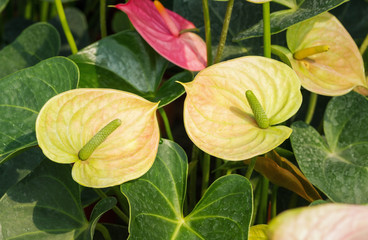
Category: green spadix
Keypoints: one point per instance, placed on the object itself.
(259, 113)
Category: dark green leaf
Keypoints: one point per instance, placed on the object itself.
(171, 90)
(44, 205)
(122, 61)
(157, 198)
(101, 207)
(3, 4)
(24, 93)
(34, 44)
(338, 167)
(115, 231)
(17, 168)
(281, 20)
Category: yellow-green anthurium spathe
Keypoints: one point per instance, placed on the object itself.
(218, 117)
(121, 129)
(325, 56)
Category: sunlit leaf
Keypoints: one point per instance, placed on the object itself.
(69, 120)
(337, 165)
(335, 72)
(327, 221)
(224, 212)
(23, 94)
(283, 173)
(217, 115)
(163, 30)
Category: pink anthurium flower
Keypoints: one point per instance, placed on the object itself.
(167, 32)
(111, 136)
(325, 57)
(219, 118)
(321, 222)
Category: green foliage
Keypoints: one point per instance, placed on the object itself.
(224, 212)
(23, 95)
(337, 166)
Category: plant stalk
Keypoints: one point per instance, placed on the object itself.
(364, 45)
(262, 216)
(64, 24)
(44, 11)
(225, 28)
(250, 168)
(311, 107)
(205, 172)
(207, 27)
(103, 230)
(274, 201)
(166, 123)
(103, 18)
(266, 29)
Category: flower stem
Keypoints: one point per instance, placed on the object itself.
(64, 24)
(207, 27)
(192, 196)
(103, 18)
(28, 10)
(115, 208)
(263, 201)
(250, 168)
(266, 29)
(274, 201)
(166, 123)
(103, 230)
(225, 28)
(205, 172)
(311, 107)
(44, 11)
(364, 45)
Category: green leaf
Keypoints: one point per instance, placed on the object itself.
(3, 4)
(338, 167)
(17, 168)
(283, 19)
(115, 231)
(171, 90)
(44, 205)
(34, 44)
(122, 61)
(156, 202)
(24, 93)
(101, 207)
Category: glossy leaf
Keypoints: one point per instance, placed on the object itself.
(337, 167)
(283, 173)
(44, 205)
(327, 222)
(36, 43)
(258, 232)
(171, 89)
(281, 20)
(335, 72)
(69, 120)
(163, 30)
(17, 168)
(224, 212)
(24, 93)
(100, 208)
(217, 115)
(121, 61)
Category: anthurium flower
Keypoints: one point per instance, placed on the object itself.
(167, 32)
(125, 129)
(324, 56)
(218, 117)
(321, 222)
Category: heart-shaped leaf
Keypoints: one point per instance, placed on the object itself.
(339, 167)
(224, 212)
(167, 32)
(335, 72)
(122, 61)
(68, 121)
(44, 205)
(326, 221)
(283, 19)
(100, 208)
(24, 93)
(283, 173)
(37, 42)
(218, 117)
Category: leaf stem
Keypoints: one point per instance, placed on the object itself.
(207, 27)
(64, 24)
(250, 168)
(118, 212)
(225, 28)
(192, 196)
(311, 107)
(266, 29)
(257, 199)
(364, 45)
(28, 10)
(44, 11)
(103, 18)
(274, 201)
(205, 172)
(103, 230)
(166, 123)
(263, 201)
